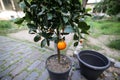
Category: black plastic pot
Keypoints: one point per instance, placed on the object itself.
(92, 64)
(59, 76)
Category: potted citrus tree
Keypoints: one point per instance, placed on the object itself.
(52, 20)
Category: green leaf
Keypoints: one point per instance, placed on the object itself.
(83, 25)
(30, 1)
(22, 5)
(67, 14)
(19, 20)
(26, 3)
(49, 15)
(64, 33)
(80, 1)
(84, 31)
(60, 2)
(65, 19)
(53, 38)
(46, 35)
(88, 27)
(75, 37)
(75, 44)
(28, 16)
(68, 29)
(37, 38)
(88, 9)
(32, 31)
(33, 6)
(87, 14)
(31, 26)
(41, 12)
(43, 43)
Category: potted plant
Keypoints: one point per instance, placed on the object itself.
(52, 20)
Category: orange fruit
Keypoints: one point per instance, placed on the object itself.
(61, 45)
(81, 40)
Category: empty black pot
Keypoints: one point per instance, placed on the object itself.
(59, 76)
(92, 64)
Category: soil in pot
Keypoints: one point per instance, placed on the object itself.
(56, 70)
(53, 65)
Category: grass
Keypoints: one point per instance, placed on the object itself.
(114, 44)
(104, 27)
(9, 27)
(5, 27)
(110, 28)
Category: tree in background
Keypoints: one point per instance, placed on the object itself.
(111, 7)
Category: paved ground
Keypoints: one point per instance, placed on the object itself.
(21, 60)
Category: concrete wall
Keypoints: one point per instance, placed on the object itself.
(9, 5)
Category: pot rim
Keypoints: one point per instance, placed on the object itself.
(91, 66)
(58, 72)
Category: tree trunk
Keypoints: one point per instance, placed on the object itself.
(2, 5)
(84, 3)
(58, 51)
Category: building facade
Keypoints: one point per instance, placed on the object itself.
(9, 5)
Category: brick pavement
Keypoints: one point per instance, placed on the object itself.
(21, 60)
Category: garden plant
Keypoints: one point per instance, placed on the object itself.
(51, 20)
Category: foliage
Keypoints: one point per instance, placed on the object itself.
(114, 44)
(101, 6)
(51, 17)
(112, 7)
(5, 25)
(106, 27)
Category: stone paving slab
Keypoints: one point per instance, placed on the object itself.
(7, 78)
(32, 76)
(21, 60)
(44, 76)
(21, 76)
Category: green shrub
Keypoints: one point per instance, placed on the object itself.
(9, 27)
(104, 27)
(5, 25)
(111, 7)
(110, 28)
(114, 44)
